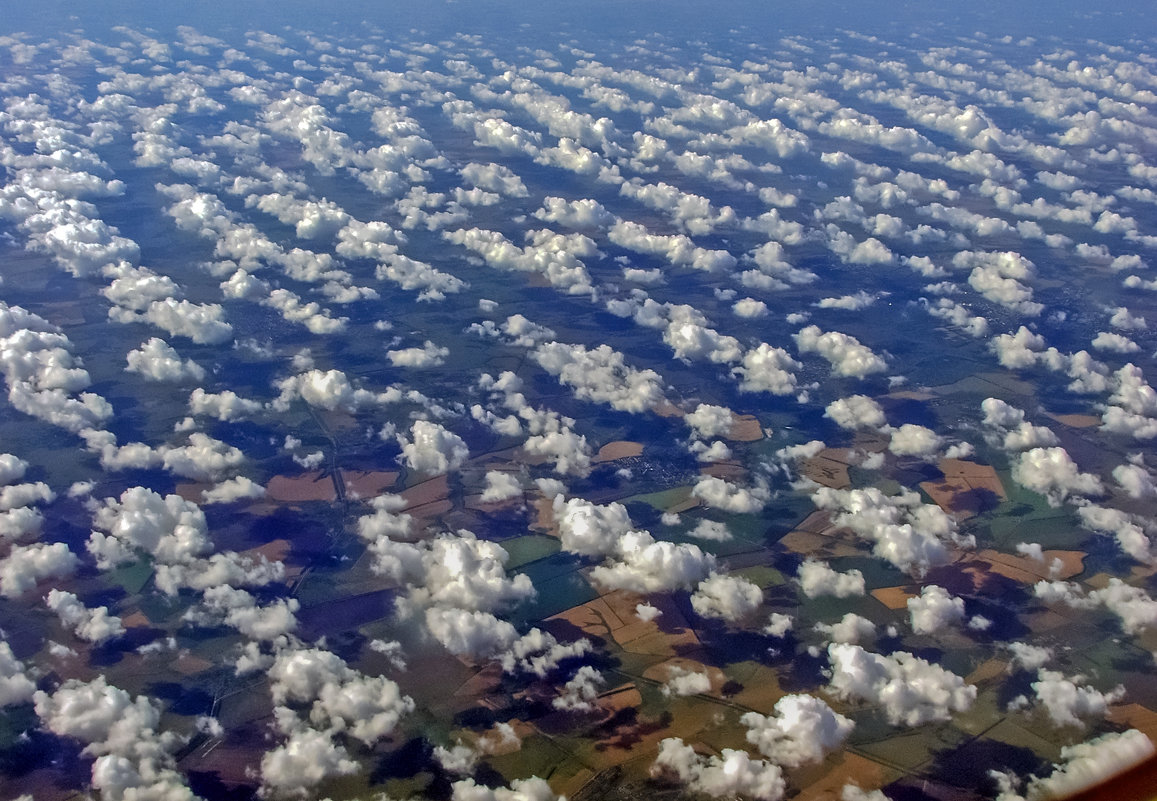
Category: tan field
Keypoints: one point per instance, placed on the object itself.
(745, 428)
(314, 485)
(613, 451)
(829, 467)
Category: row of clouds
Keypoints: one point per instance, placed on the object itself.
(909, 535)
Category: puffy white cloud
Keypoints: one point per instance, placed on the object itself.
(1018, 433)
(1089, 375)
(910, 690)
(387, 522)
(1124, 320)
(202, 458)
(1028, 656)
(105, 717)
(495, 178)
(767, 369)
(1114, 343)
(853, 792)
(817, 578)
(1087, 764)
(911, 439)
(233, 489)
(643, 564)
(456, 570)
(906, 532)
(805, 450)
(851, 628)
(553, 438)
(17, 496)
(223, 568)
(449, 570)
(201, 322)
(500, 486)
(1021, 349)
(240, 610)
(316, 319)
(682, 682)
(773, 270)
(432, 448)
(134, 288)
(376, 240)
(729, 598)
(21, 522)
(958, 315)
(169, 528)
(1060, 591)
(155, 360)
(1129, 531)
(557, 257)
(44, 379)
(845, 353)
(12, 468)
(934, 610)
(532, 789)
(778, 625)
(1053, 473)
(678, 249)
(15, 685)
(26, 565)
(1136, 609)
(871, 251)
(121, 457)
(226, 405)
(243, 286)
(749, 308)
(1125, 420)
(368, 708)
(429, 355)
(647, 613)
(727, 775)
(689, 337)
(692, 213)
(1135, 480)
(459, 759)
(304, 760)
(772, 135)
(569, 155)
(999, 277)
(1132, 392)
(324, 389)
(803, 730)
(481, 635)
(83, 246)
(133, 758)
(711, 531)
(1068, 700)
(311, 218)
(848, 124)
(856, 411)
(720, 494)
(601, 375)
(580, 692)
(95, 625)
(708, 421)
(1122, 421)
(999, 414)
(577, 214)
(523, 332)
(539, 653)
(588, 528)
